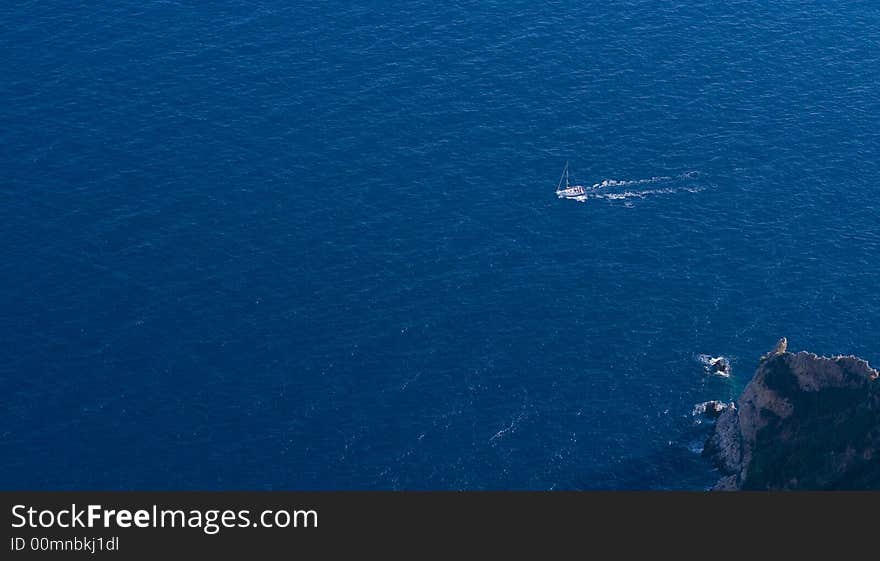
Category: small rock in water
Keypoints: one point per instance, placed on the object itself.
(715, 365)
(720, 365)
(711, 408)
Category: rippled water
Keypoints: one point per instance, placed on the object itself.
(263, 245)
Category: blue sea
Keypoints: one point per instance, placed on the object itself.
(316, 245)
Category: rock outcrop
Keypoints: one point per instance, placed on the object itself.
(715, 365)
(711, 409)
(720, 366)
(803, 422)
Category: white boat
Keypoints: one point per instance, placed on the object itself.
(576, 192)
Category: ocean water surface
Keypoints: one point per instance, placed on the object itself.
(316, 245)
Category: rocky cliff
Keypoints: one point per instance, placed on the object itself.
(803, 422)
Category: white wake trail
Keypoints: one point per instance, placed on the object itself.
(640, 194)
(631, 182)
(622, 189)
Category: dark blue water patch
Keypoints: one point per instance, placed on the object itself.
(299, 247)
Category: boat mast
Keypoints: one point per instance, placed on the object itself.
(564, 177)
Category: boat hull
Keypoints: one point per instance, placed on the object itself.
(571, 192)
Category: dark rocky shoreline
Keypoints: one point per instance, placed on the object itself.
(803, 422)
